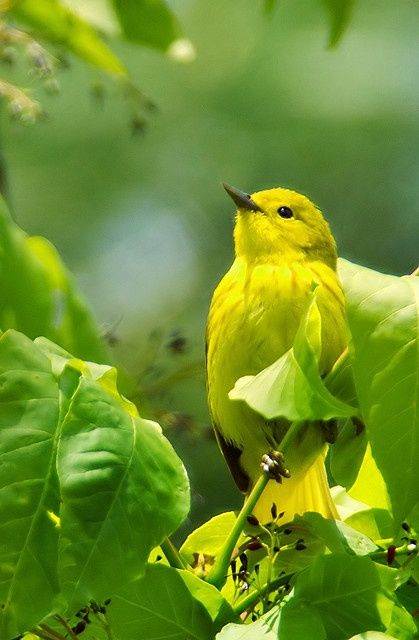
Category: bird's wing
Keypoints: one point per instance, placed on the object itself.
(232, 455)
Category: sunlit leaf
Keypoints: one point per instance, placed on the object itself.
(345, 504)
(383, 314)
(209, 538)
(369, 486)
(73, 448)
(377, 524)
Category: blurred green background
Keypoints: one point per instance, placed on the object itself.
(142, 221)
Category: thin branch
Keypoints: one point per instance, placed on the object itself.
(46, 633)
(218, 574)
(255, 596)
(66, 626)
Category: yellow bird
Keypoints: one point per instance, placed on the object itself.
(283, 245)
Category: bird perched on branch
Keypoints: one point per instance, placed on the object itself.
(283, 245)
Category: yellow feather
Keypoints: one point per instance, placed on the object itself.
(253, 318)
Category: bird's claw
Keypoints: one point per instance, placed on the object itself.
(273, 465)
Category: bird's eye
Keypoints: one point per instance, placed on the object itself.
(285, 212)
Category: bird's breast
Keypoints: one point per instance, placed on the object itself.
(254, 315)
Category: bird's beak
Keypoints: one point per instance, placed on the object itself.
(241, 199)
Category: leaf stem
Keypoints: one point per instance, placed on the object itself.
(172, 554)
(254, 597)
(218, 574)
(66, 626)
(268, 587)
(46, 633)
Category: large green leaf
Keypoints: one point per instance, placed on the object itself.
(348, 594)
(292, 386)
(57, 23)
(28, 484)
(297, 621)
(167, 603)
(122, 487)
(38, 296)
(383, 315)
(335, 598)
(147, 22)
(64, 427)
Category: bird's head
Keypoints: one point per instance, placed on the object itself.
(280, 224)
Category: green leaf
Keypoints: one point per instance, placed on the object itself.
(290, 560)
(147, 22)
(39, 296)
(299, 622)
(340, 12)
(28, 484)
(123, 489)
(369, 486)
(292, 386)
(72, 446)
(347, 592)
(408, 596)
(340, 380)
(377, 524)
(266, 628)
(209, 538)
(338, 536)
(347, 453)
(167, 603)
(295, 621)
(345, 504)
(383, 315)
(214, 602)
(58, 24)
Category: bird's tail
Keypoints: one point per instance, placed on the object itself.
(308, 492)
